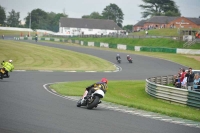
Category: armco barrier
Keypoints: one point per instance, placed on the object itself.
(97, 44)
(122, 46)
(172, 94)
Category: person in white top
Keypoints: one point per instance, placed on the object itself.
(184, 83)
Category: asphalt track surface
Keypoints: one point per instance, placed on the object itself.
(26, 107)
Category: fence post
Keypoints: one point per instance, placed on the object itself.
(156, 80)
(161, 80)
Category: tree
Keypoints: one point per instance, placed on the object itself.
(113, 12)
(54, 21)
(44, 20)
(2, 15)
(159, 8)
(128, 28)
(13, 18)
(38, 19)
(93, 15)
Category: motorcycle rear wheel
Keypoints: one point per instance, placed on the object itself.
(79, 103)
(94, 103)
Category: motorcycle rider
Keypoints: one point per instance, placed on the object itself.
(8, 67)
(118, 57)
(96, 86)
(36, 37)
(128, 57)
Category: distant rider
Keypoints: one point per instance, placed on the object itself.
(8, 66)
(118, 57)
(36, 37)
(128, 57)
(96, 86)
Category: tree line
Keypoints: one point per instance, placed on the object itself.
(39, 19)
(50, 20)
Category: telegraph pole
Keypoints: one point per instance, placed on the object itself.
(30, 21)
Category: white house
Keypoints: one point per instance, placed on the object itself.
(81, 26)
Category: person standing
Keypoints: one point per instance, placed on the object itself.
(190, 78)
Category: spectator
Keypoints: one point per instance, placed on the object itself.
(182, 74)
(177, 77)
(184, 82)
(2, 36)
(196, 81)
(190, 78)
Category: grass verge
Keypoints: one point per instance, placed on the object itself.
(132, 94)
(35, 57)
(158, 32)
(15, 33)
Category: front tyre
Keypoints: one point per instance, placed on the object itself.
(94, 102)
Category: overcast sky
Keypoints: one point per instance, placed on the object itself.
(78, 8)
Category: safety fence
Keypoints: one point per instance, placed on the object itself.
(156, 87)
(117, 46)
(116, 36)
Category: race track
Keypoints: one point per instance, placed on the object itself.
(26, 107)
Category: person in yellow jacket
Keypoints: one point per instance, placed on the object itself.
(8, 67)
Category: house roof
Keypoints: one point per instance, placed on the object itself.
(195, 20)
(89, 23)
(161, 19)
(140, 23)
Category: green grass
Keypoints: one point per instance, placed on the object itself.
(132, 94)
(152, 42)
(162, 32)
(35, 57)
(158, 32)
(15, 33)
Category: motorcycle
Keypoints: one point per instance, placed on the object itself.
(130, 60)
(2, 72)
(36, 39)
(119, 60)
(92, 100)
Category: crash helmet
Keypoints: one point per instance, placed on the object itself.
(10, 61)
(117, 54)
(104, 80)
(127, 55)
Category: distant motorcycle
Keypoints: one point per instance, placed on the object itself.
(119, 60)
(130, 60)
(92, 100)
(36, 39)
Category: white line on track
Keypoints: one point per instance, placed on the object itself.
(45, 70)
(71, 71)
(19, 70)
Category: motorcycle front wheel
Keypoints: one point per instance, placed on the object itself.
(93, 103)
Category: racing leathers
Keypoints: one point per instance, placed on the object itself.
(8, 67)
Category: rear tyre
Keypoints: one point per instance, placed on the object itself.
(79, 103)
(94, 103)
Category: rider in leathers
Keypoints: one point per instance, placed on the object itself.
(92, 88)
(118, 57)
(8, 67)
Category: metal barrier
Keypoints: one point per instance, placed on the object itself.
(172, 94)
(113, 36)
